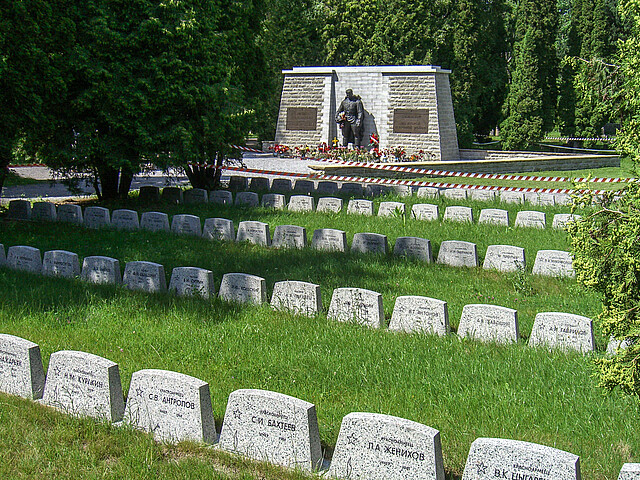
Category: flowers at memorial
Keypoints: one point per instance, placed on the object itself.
(375, 154)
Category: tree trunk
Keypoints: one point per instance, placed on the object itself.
(5, 160)
(203, 176)
(109, 182)
(126, 177)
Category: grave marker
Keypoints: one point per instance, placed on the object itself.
(455, 193)
(562, 220)
(456, 253)
(428, 192)
(564, 331)
(424, 211)
(192, 281)
(482, 195)
(43, 212)
(259, 184)
(101, 270)
(304, 186)
(391, 209)
(352, 189)
(196, 195)
(243, 288)
(504, 258)
(420, 314)
(413, 247)
(301, 203)
(219, 229)
(553, 263)
(369, 243)
(21, 371)
(96, 217)
(512, 197)
(149, 194)
(272, 427)
(457, 213)
(374, 190)
(19, 210)
(172, 195)
(402, 190)
(547, 199)
(247, 199)
(83, 384)
(494, 216)
(329, 239)
(289, 236)
(532, 197)
(357, 305)
(3, 257)
(220, 197)
(68, 213)
(360, 207)
(329, 205)
(327, 188)
(254, 232)
(124, 219)
(27, 259)
(155, 222)
(563, 199)
(172, 406)
(281, 185)
(274, 200)
(145, 276)
(237, 182)
(60, 263)
(301, 298)
(374, 445)
(533, 219)
(629, 471)
(186, 225)
(489, 323)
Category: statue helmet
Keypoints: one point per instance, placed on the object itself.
(349, 92)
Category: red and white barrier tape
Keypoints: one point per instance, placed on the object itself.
(246, 149)
(572, 139)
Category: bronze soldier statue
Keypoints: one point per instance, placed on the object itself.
(350, 116)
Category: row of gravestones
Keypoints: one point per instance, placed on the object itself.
(265, 425)
(410, 313)
(452, 252)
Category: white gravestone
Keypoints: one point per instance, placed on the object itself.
(192, 281)
(254, 232)
(511, 197)
(563, 199)
(247, 199)
(19, 210)
(327, 188)
(69, 214)
(21, 371)
(615, 345)
(548, 199)
(84, 384)
(491, 458)
(96, 217)
(554, 263)
(456, 253)
(101, 270)
(562, 220)
(298, 297)
(3, 257)
(173, 406)
(413, 247)
(424, 211)
(505, 258)
(259, 184)
(630, 471)
(124, 219)
(353, 189)
(300, 203)
(329, 239)
(276, 201)
(428, 192)
(360, 207)
(374, 445)
(304, 186)
(456, 213)
(533, 219)
(27, 259)
(489, 323)
(455, 193)
(420, 314)
(494, 216)
(60, 263)
(482, 195)
(402, 190)
(532, 197)
(564, 331)
(357, 305)
(155, 222)
(243, 288)
(221, 197)
(43, 212)
(186, 225)
(196, 195)
(369, 243)
(145, 276)
(329, 205)
(391, 209)
(272, 427)
(219, 229)
(289, 236)
(281, 185)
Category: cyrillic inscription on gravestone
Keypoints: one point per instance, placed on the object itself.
(70, 214)
(96, 217)
(274, 200)
(428, 192)
(457, 253)
(186, 225)
(21, 371)
(254, 232)
(554, 263)
(547, 199)
(411, 120)
(219, 229)
(43, 212)
(564, 331)
(247, 199)
(83, 384)
(512, 197)
(196, 195)
(124, 219)
(357, 305)
(272, 427)
(494, 216)
(221, 197)
(482, 195)
(455, 193)
(420, 314)
(360, 207)
(298, 297)
(456, 213)
(172, 406)
(243, 288)
(155, 222)
(630, 471)
(489, 323)
(101, 270)
(145, 276)
(413, 247)
(301, 203)
(302, 118)
(424, 211)
(561, 220)
(373, 445)
(281, 185)
(350, 188)
(491, 458)
(329, 239)
(327, 187)
(329, 204)
(27, 259)
(402, 190)
(391, 209)
(304, 186)
(192, 281)
(19, 210)
(3, 257)
(289, 236)
(369, 243)
(60, 263)
(172, 195)
(504, 258)
(526, 218)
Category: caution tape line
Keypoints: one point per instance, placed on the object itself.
(572, 139)
(246, 149)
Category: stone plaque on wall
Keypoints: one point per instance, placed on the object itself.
(302, 118)
(410, 120)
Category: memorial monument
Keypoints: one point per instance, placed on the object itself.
(405, 106)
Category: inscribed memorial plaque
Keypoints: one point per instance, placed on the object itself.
(27, 259)
(247, 199)
(456, 213)
(254, 232)
(43, 212)
(186, 225)
(155, 222)
(360, 207)
(124, 219)
(369, 243)
(411, 120)
(329, 205)
(505, 258)
(424, 211)
(457, 253)
(391, 209)
(494, 216)
(96, 217)
(276, 201)
(301, 203)
(554, 263)
(289, 236)
(221, 197)
(302, 118)
(413, 247)
(70, 214)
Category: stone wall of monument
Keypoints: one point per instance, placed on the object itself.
(446, 121)
(304, 91)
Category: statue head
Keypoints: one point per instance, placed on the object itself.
(349, 93)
